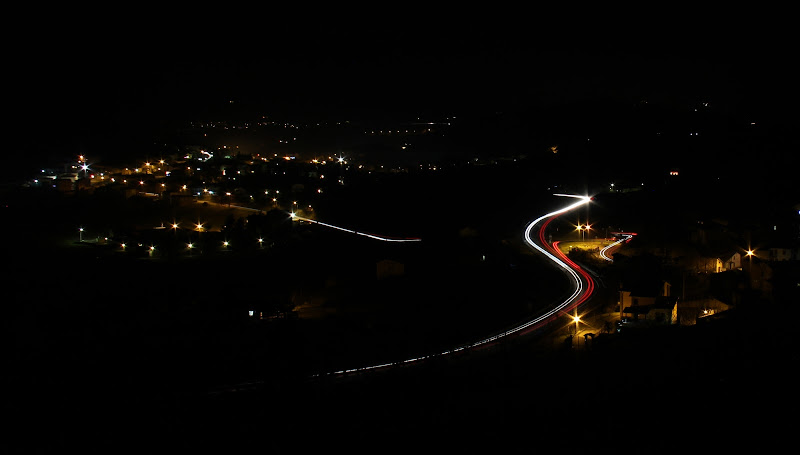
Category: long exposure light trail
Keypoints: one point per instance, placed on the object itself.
(351, 231)
(577, 275)
(603, 252)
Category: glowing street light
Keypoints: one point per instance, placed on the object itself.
(577, 320)
(583, 229)
(750, 253)
(80, 234)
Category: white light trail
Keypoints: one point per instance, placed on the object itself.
(603, 251)
(559, 262)
(579, 288)
(351, 231)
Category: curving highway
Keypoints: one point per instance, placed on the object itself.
(581, 283)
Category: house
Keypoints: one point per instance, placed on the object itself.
(700, 263)
(710, 264)
(734, 262)
(663, 311)
(649, 304)
(660, 310)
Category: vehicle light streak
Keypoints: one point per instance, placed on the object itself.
(625, 238)
(578, 296)
(372, 236)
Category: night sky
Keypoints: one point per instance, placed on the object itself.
(85, 81)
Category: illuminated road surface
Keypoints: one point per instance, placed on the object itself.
(581, 282)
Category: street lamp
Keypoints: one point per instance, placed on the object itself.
(341, 172)
(80, 234)
(577, 320)
(750, 254)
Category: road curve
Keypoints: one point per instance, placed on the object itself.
(625, 237)
(581, 282)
